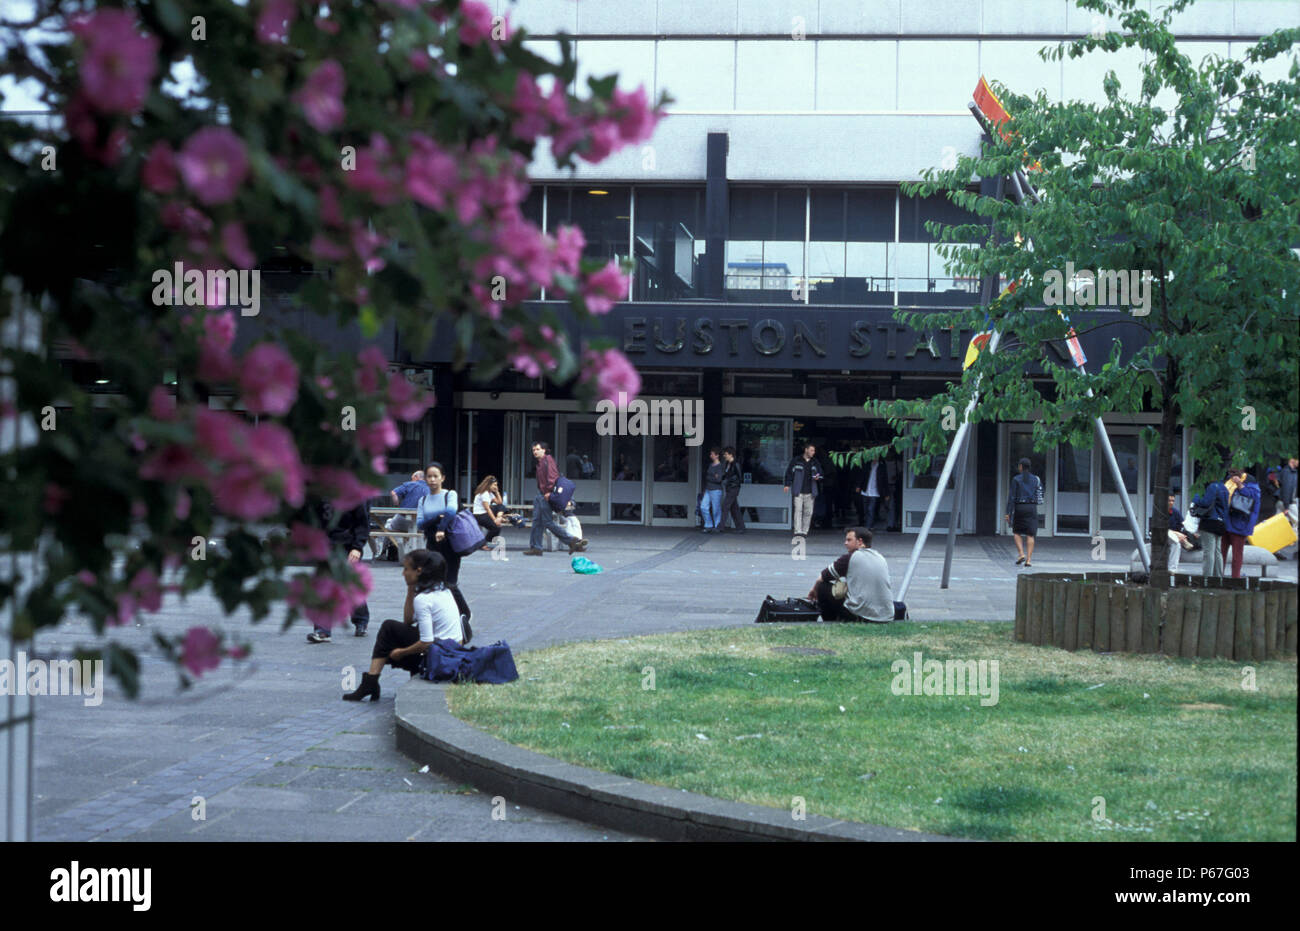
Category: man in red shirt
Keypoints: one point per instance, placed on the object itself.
(543, 520)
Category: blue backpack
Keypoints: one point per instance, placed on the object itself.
(561, 494)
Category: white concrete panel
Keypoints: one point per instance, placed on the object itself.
(1204, 18)
(810, 148)
(771, 17)
(633, 60)
(1082, 77)
(857, 74)
(1260, 17)
(936, 74)
(1017, 65)
(1016, 17)
(860, 17)
(543, 17)
(700, 74)
(697, 17)
(1081, 22)
(774, 74)
(616, 17)
(941, 17)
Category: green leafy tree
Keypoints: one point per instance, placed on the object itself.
(1191, 180)
(382, 146)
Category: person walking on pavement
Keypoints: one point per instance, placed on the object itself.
(1022, 511)
(711, 491)
(1243, 514)
(543, 519)
(349, 533)
(731, 482)
(803, 478)
(873, 493)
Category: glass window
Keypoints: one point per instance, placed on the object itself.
(625, 488)
(1112, 511)
(602, 212)
(765, 252)
(670, 384)
(531, 208)
(937, 75)
(923, 273)
(763, 450)
(669, 243)
(699, 74)
(851, 239)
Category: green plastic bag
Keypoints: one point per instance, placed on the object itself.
(585, 566)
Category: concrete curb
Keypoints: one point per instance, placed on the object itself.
(429, 733)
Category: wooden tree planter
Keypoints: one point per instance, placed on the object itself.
(1237, 619)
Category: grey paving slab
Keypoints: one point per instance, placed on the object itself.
(276, 754)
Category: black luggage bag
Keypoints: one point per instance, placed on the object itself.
(787, 611)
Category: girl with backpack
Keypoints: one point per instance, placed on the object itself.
(437, 509)
(430, 614)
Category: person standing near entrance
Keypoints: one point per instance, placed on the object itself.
(873, 493)
(803, 478)
(711, 492)
(731, 482)
(1022, 511)
(543, 520)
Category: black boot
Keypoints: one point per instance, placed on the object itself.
(369, 687)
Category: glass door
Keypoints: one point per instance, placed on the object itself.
(763, 449)
(626, 486)
(1021, 446)
(673, 493)
(919, 489)
(582, 462)
(1112, 521)
(1072, 511)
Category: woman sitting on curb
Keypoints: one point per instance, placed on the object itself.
(430, 614)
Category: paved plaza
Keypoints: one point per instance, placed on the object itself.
(275, 755)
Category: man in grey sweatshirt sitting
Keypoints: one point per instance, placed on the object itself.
(868, 594)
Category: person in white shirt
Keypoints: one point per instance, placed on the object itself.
(430, 614)
(868, 595)
(490, 509)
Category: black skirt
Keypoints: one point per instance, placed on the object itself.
(1024, 519)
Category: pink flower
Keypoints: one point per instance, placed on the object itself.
(219, 329)
(235, 242)
(326, 385)
(612, 373)
(636, 122)
(327, 25)
(419, 60)
(373, 172)
(172, 463)
(476, 25)
(146, 590)
(264, 470)
(371, 365)
(321, 245)
(126, 610)
(87, 578)
(405, 401)
(215, 362)
(430, 173)
(569, 243)
(200, 651)
(97, 141)
(274, 20)
(377, 438)
(182, 510)
(220, 434)
(213, 163)
(328, 207)
(528, 104)
(162, 404)
(340, 487)
(237, 652)
(119, 62)
(268, 380)
(365, 243)
(309, 542)
(321, 98)
(159, 171)
(183, 218)
(604, 287)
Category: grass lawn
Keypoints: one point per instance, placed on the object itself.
(1178, 749)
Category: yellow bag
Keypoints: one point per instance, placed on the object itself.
(1273, 534)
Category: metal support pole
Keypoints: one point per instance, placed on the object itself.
(958, 499)
(948, 465)
(1104, 439)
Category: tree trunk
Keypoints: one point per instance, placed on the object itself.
(1160, 485)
